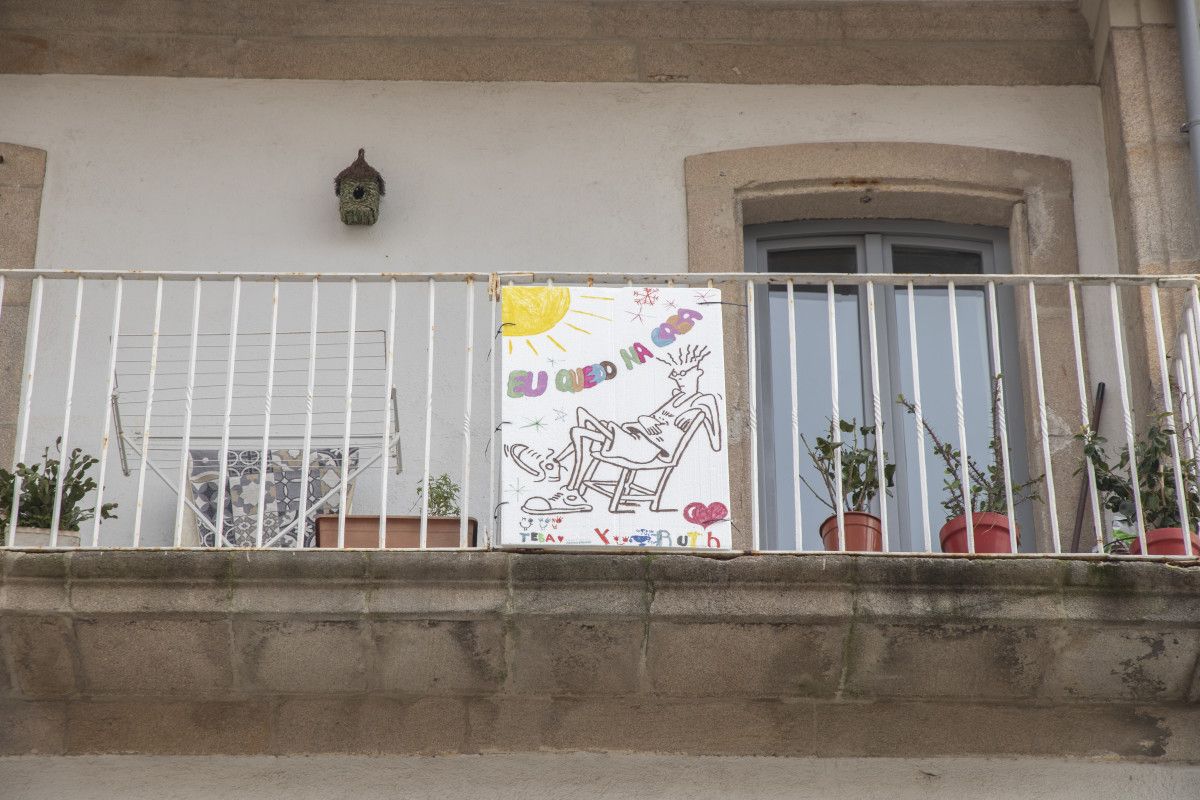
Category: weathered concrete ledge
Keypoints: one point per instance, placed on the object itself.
(241, 652)
(897, 42)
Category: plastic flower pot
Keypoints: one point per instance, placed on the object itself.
(1165, 542)
(864, 532)
(991, 533)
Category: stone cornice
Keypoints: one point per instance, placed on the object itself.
(902, 43)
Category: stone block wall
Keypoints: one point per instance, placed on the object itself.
(236, 652)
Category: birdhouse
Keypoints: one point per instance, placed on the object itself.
(359, 187)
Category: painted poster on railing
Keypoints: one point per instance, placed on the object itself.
(613, 426)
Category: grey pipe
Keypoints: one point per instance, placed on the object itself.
(1189, 57)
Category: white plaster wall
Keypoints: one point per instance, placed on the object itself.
(184, 173)
(160, 173)
(590, 775)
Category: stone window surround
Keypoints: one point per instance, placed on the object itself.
(22, 173)
(1031, 195)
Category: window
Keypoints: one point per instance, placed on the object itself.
(879, 247)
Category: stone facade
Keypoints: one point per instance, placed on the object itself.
(358, 652)
(1150, 179)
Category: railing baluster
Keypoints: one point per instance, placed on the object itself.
(1127, 413)
(960, 417)
(264, 452)
(150, 378)
(1191, 371)
(1085, 418)
(877, 411)
(306, 448)
(389, 357)
(344, 484)
(1001, 413)
(181, 489)
(831, 321)
(26, 403)
(792, 372)
(230, 379)
(1184, 381)
(1187, 383)
(64, 450)
(106, 436)
(918, 418)
(1043, 426)
(1188, 406)
(493, 435)
(468, 388)
(423, 541)
(752, 388)
(1169, 408)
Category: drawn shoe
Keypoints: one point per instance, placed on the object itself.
(564, 501)
(540, 465)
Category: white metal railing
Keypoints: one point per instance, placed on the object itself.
(141, 366)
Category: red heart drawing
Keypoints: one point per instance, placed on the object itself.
(705, 515)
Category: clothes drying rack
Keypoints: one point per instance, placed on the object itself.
(229, 407)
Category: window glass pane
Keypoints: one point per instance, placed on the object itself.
(937, 393)
(813, 384)
(914, 260)
(813, 259)
(814, 409)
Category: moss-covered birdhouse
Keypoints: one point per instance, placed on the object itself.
(359, 187)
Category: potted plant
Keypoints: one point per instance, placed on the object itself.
(860, 485)
(992, 530)
(1156, 485)
(443, 522)
(36, 509)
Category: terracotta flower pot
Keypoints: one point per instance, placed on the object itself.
(991, 533)
(864, 532)
(401, 531)
(1165, 542)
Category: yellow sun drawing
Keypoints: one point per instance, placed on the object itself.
(530, 311)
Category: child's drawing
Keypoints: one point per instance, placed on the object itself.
(607, 453)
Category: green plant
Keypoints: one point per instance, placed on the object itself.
(443, 496)
(987, 483)
(38, 484)
(860, 466)
(1156, 478)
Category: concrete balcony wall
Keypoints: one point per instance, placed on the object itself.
(233, 652)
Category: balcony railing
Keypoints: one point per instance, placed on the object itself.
(981, 388)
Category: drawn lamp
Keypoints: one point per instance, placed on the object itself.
(359, 187)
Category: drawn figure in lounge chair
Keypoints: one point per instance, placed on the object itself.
(653, 441)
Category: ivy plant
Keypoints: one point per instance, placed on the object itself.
(38, 484)
(859, 466)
